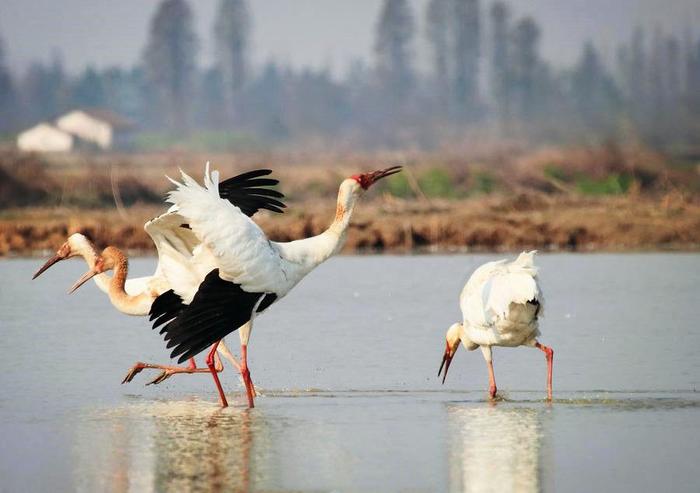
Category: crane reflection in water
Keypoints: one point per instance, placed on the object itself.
(177, 446)
(496, 448)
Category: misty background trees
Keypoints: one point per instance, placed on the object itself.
(486, 79)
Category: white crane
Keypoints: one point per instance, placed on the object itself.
(173, 239)
(500, 303)
(237, 272)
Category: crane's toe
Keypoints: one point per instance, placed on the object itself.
(164, 375)
(133, 371)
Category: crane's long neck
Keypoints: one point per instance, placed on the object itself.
(310, 252)
(125, 303)
(341, 222)
(333, 239)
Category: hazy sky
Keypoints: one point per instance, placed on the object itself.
(316, 32)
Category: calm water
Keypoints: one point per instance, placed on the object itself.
(347, 367)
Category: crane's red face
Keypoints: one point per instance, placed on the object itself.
(61, 254)
(450, 351)
(366, 180)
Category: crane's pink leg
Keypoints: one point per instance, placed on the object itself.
(492, 380)
(211, 358)
(549, 354)
(168, 370)
(227, 354)
(245, 374)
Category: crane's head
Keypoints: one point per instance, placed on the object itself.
(107, 260)
(366, 180)
(76, 244)
(452, 340)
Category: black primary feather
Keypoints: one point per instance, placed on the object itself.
(165, 307)
(219, 307)
(246, 191)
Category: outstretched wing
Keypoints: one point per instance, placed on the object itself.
(241, 251)
(173, 239)
(219, 307)
(165, 307)
(245, 273)
(248, 192)
(176, 243)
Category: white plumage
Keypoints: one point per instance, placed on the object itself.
(231, 241)
(236, 272)
(501, 305)
(179, 253)
(495, 306)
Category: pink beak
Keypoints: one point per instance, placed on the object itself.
(447, 359)
(56, 258)
(85, 278)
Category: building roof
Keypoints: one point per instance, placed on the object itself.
(44, 127)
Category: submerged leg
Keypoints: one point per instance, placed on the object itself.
(486, 350)
(245, 374)
(224, 350)
(212, 357)
(549, 354)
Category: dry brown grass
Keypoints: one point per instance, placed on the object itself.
(484, 224)
(529, 209)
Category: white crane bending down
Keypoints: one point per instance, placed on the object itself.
(237, 272)
(172, 238)
(500, 303)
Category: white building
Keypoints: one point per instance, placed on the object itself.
(44, 137)
(100, 127)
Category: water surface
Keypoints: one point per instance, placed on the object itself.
(346, 365)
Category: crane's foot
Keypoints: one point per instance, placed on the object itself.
(167, 371)
(492, 392)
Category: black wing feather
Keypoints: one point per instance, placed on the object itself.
(246, 191)
(219, 307)
(165, 307)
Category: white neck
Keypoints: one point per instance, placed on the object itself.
(310, 252)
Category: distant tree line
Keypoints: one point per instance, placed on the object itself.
(487, 77)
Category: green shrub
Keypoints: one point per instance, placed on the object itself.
(436, 182)
(484, 182)
(553, 171)
(614, 184)
(397, 185)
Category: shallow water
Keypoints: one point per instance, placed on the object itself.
(350, 398)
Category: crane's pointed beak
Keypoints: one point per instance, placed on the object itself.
(366, 180)
(85, 278)
(56, 258)
(447, 359)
